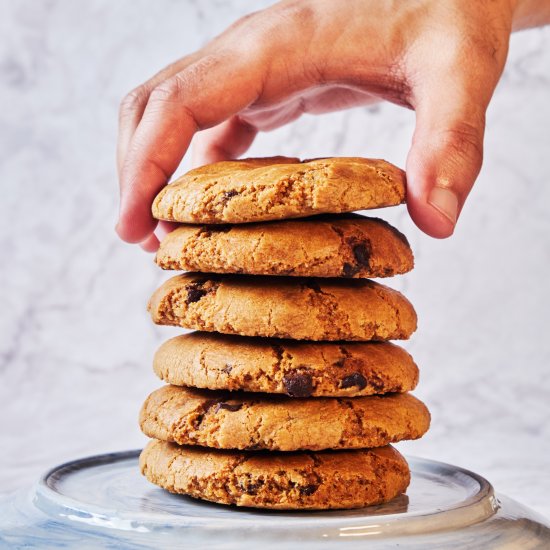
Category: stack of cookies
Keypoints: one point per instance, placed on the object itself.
(289, 394)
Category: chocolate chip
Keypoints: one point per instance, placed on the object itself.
(308, 490)
(194, 294)
(298, 385)
(220, 228)
(349, 270)
(228, 195)
(198, 421)
(205, 408)
(278, 351)
(200, 417)
(231, 407)
(355, 379)
(344, 351)
(376, 383)
(362, 252)
(340, 362)
(251, 488)
(227, 369)
(195, 291)
(207, 230)
(313, 285)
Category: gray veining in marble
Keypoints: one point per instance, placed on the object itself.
(75, 341)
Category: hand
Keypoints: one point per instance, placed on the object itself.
(442, 58)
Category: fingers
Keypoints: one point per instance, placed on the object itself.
(233, 138)
(163, 228)
(227, 140)
(133, 105)
(253, 59)
(447, 151)
(131, 111)
(442, 166)
(202, 95)
(150, 244)
(452, 77)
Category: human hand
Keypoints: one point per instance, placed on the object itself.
(442, 58)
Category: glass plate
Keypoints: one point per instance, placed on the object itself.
(104, 502)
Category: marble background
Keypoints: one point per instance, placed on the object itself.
(75, 341)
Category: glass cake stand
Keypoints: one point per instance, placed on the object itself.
(104, 502)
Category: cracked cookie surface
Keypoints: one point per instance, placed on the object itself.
(274, 188)
(324, 246)
(303, 481)
(284, 307)
(298, 369)
(226, 420)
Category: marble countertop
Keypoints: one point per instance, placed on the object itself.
(75, 341)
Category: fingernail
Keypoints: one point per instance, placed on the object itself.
(444, 201)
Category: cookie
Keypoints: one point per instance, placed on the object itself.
(327, 246)
(226, 420)
(285, 481)
(284, 307)
(262, 189)
(298, 369)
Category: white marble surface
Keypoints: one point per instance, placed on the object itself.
(75, 341)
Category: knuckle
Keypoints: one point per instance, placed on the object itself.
(293, 12)
(483, 52)
(465, 140)
(248, 20)
(179, 87)
(273, 27)
(296, 11)
(170, 96)
(244, 33)
(133, 100)
(167, 92)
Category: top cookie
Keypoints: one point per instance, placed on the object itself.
(275, 188)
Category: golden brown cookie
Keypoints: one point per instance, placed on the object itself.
(299, 369)
(225, 420)
(284, 307)
(325, 246)
(275, 188)
(292, 481)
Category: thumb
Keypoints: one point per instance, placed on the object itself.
(445, 158)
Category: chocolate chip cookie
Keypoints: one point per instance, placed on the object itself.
(284, 307)
(274, 188)
(226, 420)
(326, 246)
(298, 369)
(285, 481)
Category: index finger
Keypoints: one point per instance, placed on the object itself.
(133, 105)
(209, 91)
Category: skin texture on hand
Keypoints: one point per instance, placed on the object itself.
(442, 58)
